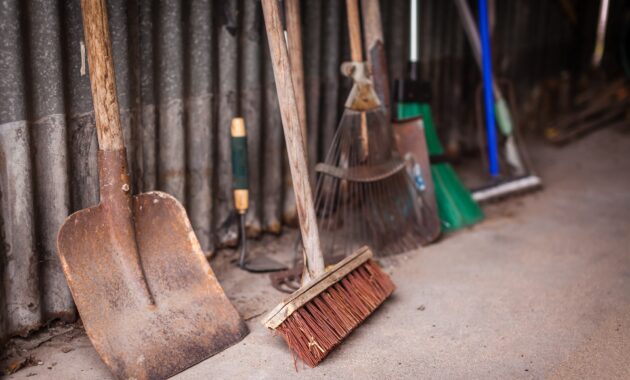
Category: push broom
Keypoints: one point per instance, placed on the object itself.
(496, 112)
(456, 206)
(331, 303)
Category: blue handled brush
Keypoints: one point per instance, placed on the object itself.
(496, 110)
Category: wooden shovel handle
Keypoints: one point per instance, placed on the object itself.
(354, 27)
(313, 260)
(294, 34)
(102, 79)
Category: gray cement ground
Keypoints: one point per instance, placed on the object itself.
(541, 289)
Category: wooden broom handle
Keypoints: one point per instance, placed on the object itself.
(102, 79)
(313, 258)
(354, 27)
(294, 34)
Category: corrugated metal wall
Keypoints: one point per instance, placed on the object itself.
(183, 70)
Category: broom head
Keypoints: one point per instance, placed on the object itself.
(317, 317)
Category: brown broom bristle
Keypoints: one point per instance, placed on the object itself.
(320, 325)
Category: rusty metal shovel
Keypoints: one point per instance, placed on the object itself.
(149, 301)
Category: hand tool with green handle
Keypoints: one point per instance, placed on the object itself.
(240, 186)
(456, 207)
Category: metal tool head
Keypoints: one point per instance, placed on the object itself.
(363, 195)
(149, 301)
(287, 281)
(263, 264)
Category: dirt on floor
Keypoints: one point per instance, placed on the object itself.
(540, 289)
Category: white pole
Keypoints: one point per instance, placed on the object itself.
(413, 40)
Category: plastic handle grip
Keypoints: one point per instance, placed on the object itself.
(239, 163)
(239, 155)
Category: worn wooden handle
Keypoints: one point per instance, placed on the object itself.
(354, 27)
(313, 260)
(375, 49)
(102, 79)
(372, 26)
(294, 37)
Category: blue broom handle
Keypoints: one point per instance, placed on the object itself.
(491, 132)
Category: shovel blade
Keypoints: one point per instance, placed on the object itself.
(185, 319)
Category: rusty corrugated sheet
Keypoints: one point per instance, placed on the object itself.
(183, 70)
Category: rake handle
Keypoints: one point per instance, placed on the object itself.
(102, 79)
(354, 27)
(313, 258)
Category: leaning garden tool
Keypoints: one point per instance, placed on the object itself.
(409, 135)
(456, 207)
(149, 301)
(501, 110)
(331, 303)
(240, 186)
(521, 179)
(363, 193)
(600, 38)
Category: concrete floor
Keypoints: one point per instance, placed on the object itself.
(541, 289)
